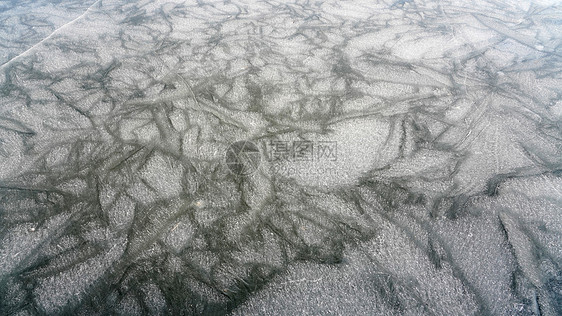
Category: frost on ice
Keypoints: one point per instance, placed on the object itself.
(442, 194)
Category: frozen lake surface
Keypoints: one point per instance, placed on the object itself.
(280, 158)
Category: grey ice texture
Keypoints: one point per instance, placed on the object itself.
(445, 198)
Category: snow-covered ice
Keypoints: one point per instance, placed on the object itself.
(410, 157)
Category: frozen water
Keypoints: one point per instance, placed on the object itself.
(410, 157)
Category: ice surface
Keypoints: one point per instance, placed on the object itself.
(410, 157)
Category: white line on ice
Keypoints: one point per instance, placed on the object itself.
(9, 62)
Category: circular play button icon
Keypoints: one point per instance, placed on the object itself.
(243, 158)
